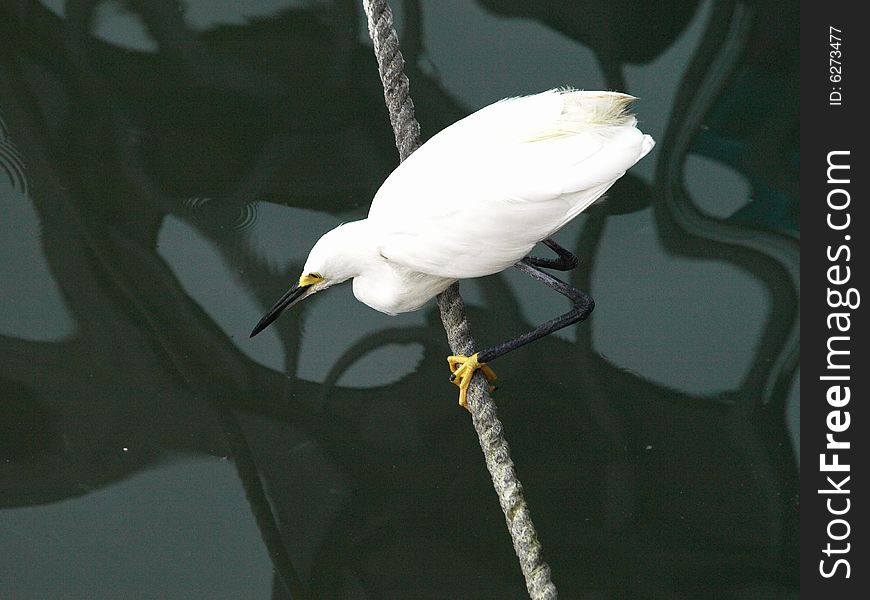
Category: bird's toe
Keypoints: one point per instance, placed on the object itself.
(462, 370)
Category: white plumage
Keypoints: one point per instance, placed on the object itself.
(475, 199)
(478, 196)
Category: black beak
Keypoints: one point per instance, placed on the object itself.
(293, 295)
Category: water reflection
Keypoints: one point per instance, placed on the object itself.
(172, 191)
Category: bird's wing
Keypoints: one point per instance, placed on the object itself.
(477, 196)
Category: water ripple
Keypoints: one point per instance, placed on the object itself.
(193, 204)
(219, 214)
(247, 217)
(11, 163)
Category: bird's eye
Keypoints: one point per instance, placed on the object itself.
(315, 276)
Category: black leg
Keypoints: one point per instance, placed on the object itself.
(566, 261)
(464, 367)
(582, 302)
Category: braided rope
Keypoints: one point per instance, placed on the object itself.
(483, 411)
(391, 67)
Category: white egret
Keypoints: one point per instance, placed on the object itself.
(473, 201)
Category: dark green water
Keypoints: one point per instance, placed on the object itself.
(165, 169)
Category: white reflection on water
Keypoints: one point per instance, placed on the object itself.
(206, 278)
(333, 322)
(687, 323)
(31, 305)
(717, 189)
(179, 530)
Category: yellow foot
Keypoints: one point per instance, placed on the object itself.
(463, 368)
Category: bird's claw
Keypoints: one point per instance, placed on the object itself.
(463, 368)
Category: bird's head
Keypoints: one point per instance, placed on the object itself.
(333, 259)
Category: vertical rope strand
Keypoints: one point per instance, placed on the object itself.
(483, 411)
(391, 66)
